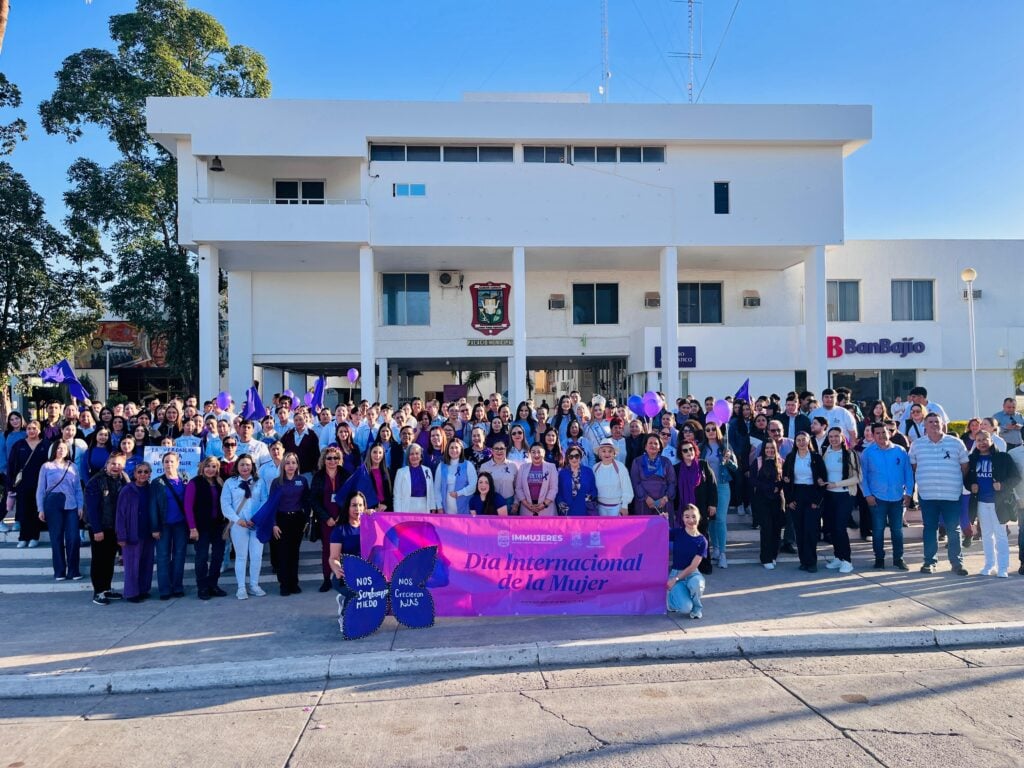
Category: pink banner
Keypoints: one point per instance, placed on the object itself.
(507, 566)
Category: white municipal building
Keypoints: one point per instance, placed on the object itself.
(548, 239)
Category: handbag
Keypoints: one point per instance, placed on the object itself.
(1006, 508)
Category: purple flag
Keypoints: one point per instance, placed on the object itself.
(743, 393)
(254, 408)
(318, 394)
(62, 373)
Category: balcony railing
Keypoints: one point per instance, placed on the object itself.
(277, 201)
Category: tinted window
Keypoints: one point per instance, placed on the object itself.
(629, 154)
(495, 154)
(425, 154)
(721, 197)
(460, 154)
(387, 152)
(286, 192)
(654, 154)
(607, 154)
(533, 154)
(583, 154)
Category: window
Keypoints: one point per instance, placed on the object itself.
(842, 301)
(630, 154)
(423, 154)
(296, 191)
(595, 303)
(460, 154)
(408, 190)
(607, 154)
(583, 154)
(544, 154)
(496, 154)
(700, 303)
(387, 152)
(721, 197)
(406, 299)
(912, 300)
(654, 154)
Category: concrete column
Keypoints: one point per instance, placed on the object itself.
(209, 322)
(517, 391)
(814, 319)
(367, 323)
(239, 334)
(385, 379)
(393, 382)
(670, 325)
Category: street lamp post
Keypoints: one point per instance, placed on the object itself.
(969, 275)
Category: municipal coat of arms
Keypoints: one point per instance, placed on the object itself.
(490, 307)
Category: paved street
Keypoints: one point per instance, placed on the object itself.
(915, 709)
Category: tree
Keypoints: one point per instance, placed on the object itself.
(49, 300)
(163, 48)
(1018, 373)
(14, 131)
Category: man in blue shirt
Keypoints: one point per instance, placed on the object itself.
(888, 484)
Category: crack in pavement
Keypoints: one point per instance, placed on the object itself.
(601, 742)
(305, 725)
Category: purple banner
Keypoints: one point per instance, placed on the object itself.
(508, 566)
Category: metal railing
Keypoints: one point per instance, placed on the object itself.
(277, 201)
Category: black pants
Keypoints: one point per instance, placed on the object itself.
(769, 517)
(209, 559)
(26, 513)
(839, 506)
(104, 553)
(807, 521)
(292, 525)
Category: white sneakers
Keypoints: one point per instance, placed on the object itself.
(33, 544)
(843, 566)
(22, 544)
(256, 591)
(769, 566)
(241, 594)
(722, 562)
(988, 570)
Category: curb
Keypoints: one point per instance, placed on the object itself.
(661, 646)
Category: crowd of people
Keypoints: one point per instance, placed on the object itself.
(800, 470)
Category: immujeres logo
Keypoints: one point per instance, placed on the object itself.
(837, 347)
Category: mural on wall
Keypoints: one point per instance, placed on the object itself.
(129, 348)
(490, 307)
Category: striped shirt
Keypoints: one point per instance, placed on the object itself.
(937, 464)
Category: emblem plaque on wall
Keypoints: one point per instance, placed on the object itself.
(490, 307)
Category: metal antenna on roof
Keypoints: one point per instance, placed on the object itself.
(694, 19)
(606, 74)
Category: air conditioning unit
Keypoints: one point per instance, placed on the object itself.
(652, 300)
(450, 279)
(751, 299)
(977, 294)
(556, 301)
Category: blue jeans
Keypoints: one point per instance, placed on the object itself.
(65, 544)
(717, 524)
(887, 513)
(170, 558)
(932, 511)
(684, 597)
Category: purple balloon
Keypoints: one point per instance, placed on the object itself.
(289, 394)
(223, 401)
(308, 399)
(353, 375)
(651, 407)
(722, 411)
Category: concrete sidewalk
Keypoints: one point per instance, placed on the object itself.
(61, 644)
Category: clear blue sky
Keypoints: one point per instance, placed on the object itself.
(942, 75)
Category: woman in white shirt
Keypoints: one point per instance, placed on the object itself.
(455, 481)
(414, 484)
(614, 487)
(241, 498)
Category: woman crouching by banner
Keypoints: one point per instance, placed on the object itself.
(689, 548)
(345, 541)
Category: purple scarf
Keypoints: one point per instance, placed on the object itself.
(689, 478)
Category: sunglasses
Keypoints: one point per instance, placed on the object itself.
(230, 445)
(686, 450)
(711, 429)
(332, 458)
(143, 472)
(574, 456)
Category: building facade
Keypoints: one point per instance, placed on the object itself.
(559, 244)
